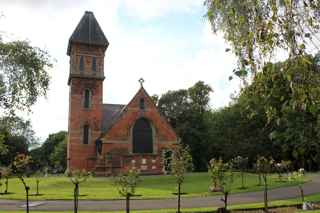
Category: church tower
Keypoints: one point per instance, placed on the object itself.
(86, 48)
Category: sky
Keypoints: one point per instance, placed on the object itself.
(168, 43)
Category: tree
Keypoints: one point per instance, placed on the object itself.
(126, 184)
(271, 117)
(77, 177)
(257, 29)
(241, 164)
(199, 95)
(288, 91)
(0, 183)
(215, 168)
(59, 156)
(52, 153)
(181, 162)
(258, 171)
(231, 127)
(23, 77)
(186, 111)
(15, 145)
(17, 136)
(281, 168)
(38, 175)
(265, 166)
(20, 168)
(226, 181)
(299, 176)
(173, 105)
(287, 95)
(5, 172)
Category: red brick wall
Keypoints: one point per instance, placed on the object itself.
(79, 154)
(119, 136)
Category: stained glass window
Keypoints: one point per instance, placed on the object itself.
(142, 137)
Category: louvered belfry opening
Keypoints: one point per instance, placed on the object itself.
(142, 137)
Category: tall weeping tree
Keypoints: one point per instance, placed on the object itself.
(256, 30)
(23, 77)
(288, 91)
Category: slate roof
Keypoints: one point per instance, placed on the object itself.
(110, 114)
(88, 31)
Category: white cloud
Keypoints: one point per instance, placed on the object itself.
(148, 9)
(165, 67)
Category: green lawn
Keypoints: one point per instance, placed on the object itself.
(196, 184)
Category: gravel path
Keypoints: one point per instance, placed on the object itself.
(311, 187)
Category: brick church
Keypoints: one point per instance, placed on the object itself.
(109, 138)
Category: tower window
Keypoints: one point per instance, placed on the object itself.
(94, 64)
(87, 98)
(86, 130)
(142, 106)
(81, 63)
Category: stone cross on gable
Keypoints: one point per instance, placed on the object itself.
(141, 81)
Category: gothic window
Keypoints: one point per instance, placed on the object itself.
(87, 98)
(142, 137)
(142, 104)
(81, 63)
(94, 64)
(86, 130)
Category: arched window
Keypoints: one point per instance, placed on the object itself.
(81, 63)
(86, 131)
(87, 98)
(142, 137)
(142, 104)
(94, 64)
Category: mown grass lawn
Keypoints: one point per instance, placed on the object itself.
(97, 188)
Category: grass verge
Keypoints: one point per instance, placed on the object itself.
(100, 188)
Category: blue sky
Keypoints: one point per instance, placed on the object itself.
(167, 42)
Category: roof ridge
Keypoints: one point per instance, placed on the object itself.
(112, 104)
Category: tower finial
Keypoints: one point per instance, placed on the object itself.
(141, 81)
